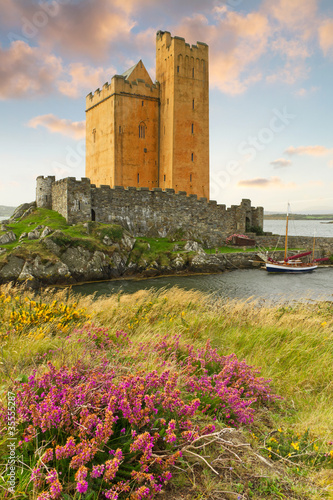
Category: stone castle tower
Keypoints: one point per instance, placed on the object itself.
(140, 134)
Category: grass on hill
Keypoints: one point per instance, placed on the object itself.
(78, 234)
(125, 343)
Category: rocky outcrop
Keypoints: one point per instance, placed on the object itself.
(23, 210)
(7, 238)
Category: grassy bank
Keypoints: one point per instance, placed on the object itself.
(147, 396)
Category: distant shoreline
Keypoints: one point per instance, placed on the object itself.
(328, 217)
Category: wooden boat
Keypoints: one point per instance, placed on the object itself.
(291, 264)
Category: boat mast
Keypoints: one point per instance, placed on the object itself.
(286, 242)
(314, 243)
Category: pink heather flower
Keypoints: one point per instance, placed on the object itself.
(55, 490)
(81, 473)
(82, 486)
(111, 495)
(36, 473)
(52, 476)
(48, 456)
(112, 466)
(171, 436)
(97, 471)
(66, 451)
(44, 496)
(142, 493)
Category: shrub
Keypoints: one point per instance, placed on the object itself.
(101, 427)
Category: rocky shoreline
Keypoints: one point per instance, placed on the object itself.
(78, 264)
(39, 254)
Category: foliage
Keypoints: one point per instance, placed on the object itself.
(36, 319)
(255, 229)
(298, 448)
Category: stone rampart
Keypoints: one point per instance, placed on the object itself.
(153, 212)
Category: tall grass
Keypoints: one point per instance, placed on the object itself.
(291, 344)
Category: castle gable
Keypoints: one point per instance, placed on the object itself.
(138, 72)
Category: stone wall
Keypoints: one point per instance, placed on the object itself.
(323, 246)
(153, 212)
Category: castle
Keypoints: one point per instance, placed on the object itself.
(140, 134)
(147, 154)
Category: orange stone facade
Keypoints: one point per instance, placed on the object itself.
(140, 134)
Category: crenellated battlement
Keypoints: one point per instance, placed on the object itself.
(119, 85)
(166, 42)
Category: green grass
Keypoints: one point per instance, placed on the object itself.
(76, 235)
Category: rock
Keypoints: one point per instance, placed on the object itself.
(76, 259)
(38, 271)
(34, 235)
(128, 242)
(52, 247)
(107, 241)
(39, 227)
(117, 260)
(23, 235)
(23, 210)
(26, 273)
(12, 269)
(178, 263)
(206, 263)
(193, 246)
(46, 231)
(8, 237)
(176, 248)
(3, 226)
(2, 250)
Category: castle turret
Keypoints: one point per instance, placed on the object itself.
(182, 71)
(44, 191)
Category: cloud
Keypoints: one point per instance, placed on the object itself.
(302, 92)
(53, 124)
(294, 15)
(326, 36)
(261, 182)
(83, 78)
(281, 163)
(74, 29)
(236, 43)
(27, 71)
(31, 72)
(308, 150)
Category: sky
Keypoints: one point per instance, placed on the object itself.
(271, 81)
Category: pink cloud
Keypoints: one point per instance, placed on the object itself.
(26, 70)
(260, 182)
(294, 14)
(82, 28)
(308, 150)
(236, 43)
(83, 78)
(326, 36)
(76, 130)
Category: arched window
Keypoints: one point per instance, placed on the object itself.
(142, 130)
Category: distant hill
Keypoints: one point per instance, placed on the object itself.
(6, 211)
(275, 216)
